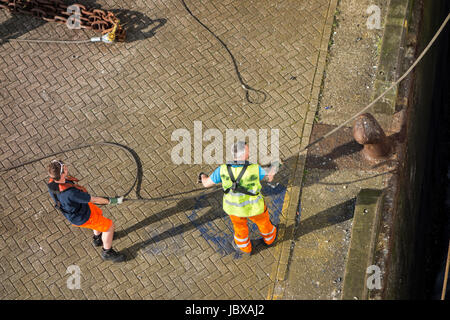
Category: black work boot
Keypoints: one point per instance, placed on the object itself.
(236, 248)
(97, 240)
(112, 255)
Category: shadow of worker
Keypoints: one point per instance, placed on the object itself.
(183, 205)
(334, 215)
(18, 25)
(209, 204)
(137, 25)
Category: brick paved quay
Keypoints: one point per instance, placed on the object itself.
(170, 73)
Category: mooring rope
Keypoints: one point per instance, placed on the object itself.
(386, 91)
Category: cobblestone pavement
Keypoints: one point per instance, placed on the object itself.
(170, 73)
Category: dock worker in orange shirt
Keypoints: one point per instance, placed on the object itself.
(78, 206)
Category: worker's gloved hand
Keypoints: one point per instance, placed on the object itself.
(200, 177)
(117, 200)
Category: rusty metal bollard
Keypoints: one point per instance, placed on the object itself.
(368, 132)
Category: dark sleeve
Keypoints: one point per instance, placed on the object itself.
(53, 197)
(79, 196)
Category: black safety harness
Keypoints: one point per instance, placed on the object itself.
(236, 187)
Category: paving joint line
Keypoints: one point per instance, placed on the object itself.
(292, 197)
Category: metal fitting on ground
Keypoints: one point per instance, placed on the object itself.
(368, 132)
(105, 38)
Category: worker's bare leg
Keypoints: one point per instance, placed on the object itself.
(107, 237)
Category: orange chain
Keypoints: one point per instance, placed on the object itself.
(55, 11)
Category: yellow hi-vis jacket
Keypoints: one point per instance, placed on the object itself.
(237, 203)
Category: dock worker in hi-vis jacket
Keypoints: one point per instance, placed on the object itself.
(78, 206)
(242, 199)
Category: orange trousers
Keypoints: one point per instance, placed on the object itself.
(241, 235)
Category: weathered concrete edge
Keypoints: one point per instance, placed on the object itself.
(292, 197)
(366, 221)
(391, 55)
(361, 255)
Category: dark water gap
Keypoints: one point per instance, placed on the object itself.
(434, 221)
